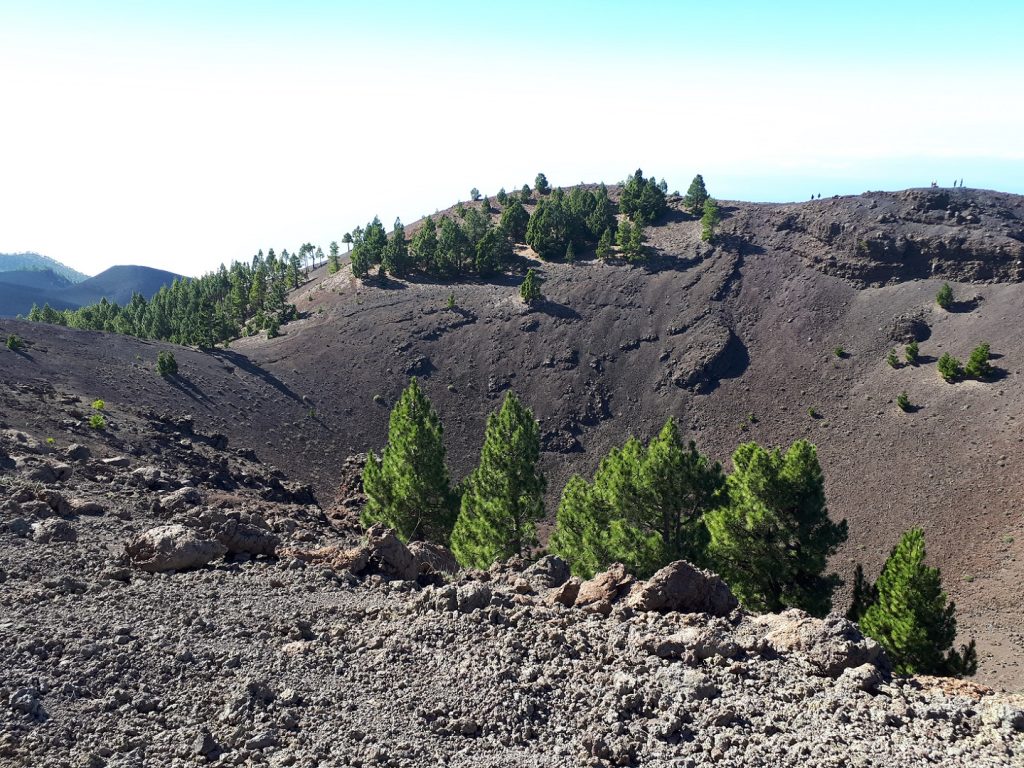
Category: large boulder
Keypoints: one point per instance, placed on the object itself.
(244, 538)
(389, 555)
(681, 587)
(548, 572)
(180, 500)
(433, 558)
(53, 530)
(831, 645)
(171, 548)
(599, 593)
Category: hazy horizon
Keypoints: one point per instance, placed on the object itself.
(184, 137)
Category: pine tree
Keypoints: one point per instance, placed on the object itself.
(424, 245)
(643, 509)
(944, 298)
(695, 196)
(678, 486)
(949, 367)
(514, 220)
(540, 184)
(570, 253)
(529, 291)
(604, 245)
(978, 366)
(408, 488)
(709, 220)
(502, 196)
(474, 194)
(395, 259)
(772, 540)
(911, 352)
(892, 360)
(911, 618)
(580, 534)
(333, 264)
(503, 499)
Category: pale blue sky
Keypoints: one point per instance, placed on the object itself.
(181, 135)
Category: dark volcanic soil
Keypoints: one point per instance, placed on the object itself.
(737, 341)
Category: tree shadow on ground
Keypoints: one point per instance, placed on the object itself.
(187, 388)
(241, 361)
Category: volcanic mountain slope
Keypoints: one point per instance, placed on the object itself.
(169, 601)
(19, 290)
(737, 341)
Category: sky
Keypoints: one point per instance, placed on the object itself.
(181, 135)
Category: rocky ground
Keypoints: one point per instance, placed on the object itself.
(737, 341)
(167, 601)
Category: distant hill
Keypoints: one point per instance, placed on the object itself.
(21, 288)
(117, 284)
(12, 262)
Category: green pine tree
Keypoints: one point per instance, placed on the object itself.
(695, 196)
(604, 245)
(949, 367)
(911, 352)
(529, 291)
(408, 488)
(911, 617)
(978, 366)
(503, 499)
(944, 298)
(580, 536)
(771, 541)
(570, 253)
(892, 360)
(709, 221)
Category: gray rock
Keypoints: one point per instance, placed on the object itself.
(433, 558)
(390, 556)
(77, 452)
(52, 531)
(171, 547)
(599, 593)
(681, 587)
(180, 500)
(831, 644)
(548, 572)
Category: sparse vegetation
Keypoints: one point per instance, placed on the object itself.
(944, 298)
(14, 343)
(450, 302)
(949, 367)
(839, 352)
(97, 421)
(98, 405)
(166, 365)
(910, 615)
(903, 401)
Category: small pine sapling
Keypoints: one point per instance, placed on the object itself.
(911, 353)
